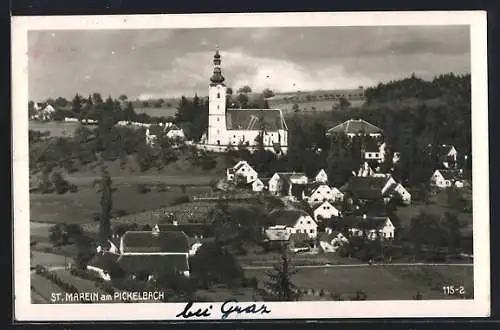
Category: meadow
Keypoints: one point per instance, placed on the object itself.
(157, 112)
(381, 282)
(57, 129)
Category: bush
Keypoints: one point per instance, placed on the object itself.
(85, 274)
(58, 235)
(142, 188)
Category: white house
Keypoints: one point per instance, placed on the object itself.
(402, 193)
(242, 169)
(174, 132)
(321, 177)
(374, 227)
(374, 151)
(281, 183)
(325, 211)
(43, 113)
(447, 178)
(257, 185)
(318, 193)
(331, 240)
(293, 221)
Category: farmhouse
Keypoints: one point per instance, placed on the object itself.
(258, 185)
(43, 112)
(317, 192)
(356, 127)
(325, 211)
(373, 227)
(321, 176)
(170, 130)
(281, 183)
(447, 178)
(446, 154)
(241, 170)
(293, 221)
(240, 126)
(372, 188)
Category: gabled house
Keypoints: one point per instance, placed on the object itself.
(153, 132)
(377, 187)
(43, 112)
(317, 192)
(257, 185)
(365, 170)
(331, 240)
(293, 221)
(242, 169)
(325, 211)
(447, 178)
(374, 227)
(281, 183)
(321, 177)
(174, 132)
(446, 154)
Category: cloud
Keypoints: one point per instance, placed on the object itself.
(171, 62)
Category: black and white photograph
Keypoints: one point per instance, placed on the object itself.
(250, 166)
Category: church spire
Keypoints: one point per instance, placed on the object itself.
(217, 78)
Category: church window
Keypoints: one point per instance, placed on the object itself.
(217, 106)
(218, 131)
(218, 95)
(218, 117)
(218, 142)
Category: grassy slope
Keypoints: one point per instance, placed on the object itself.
(380, 283)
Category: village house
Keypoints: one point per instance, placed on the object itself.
(447, 178)
(173, 132)
(374, 227)
(372, 188)
(325, 211)
(281, 183)
(331, 240)
(145, 254)
(152, 133)
(42, 112)
(374, 151)
(365, 170)
(170, 130)
(321, 177)
(446, 154)
(243, 170)
(293, 221)
(258, 185)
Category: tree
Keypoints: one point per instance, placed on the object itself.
(244, 90)
(453, 229)
(106, 205)
(123, 98)
(267, 93)
(295, 107)
(229, 91)
(344, 103)
(280, 286)
(243, 100)
(76, 105)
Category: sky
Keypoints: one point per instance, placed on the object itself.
(166, 63)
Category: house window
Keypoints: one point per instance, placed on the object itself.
(251, 178)
(315, 199)
(297, 231)
(311, 231)
(308, 222)
(305, 231)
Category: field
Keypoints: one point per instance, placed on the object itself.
(55, 128)
(381, 282)
(157, 112)
(307, 107)
(81, 206)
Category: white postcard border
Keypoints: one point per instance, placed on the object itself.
(480, 306)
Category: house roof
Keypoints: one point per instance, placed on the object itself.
(242, 119)
(328, 237)
(371, 222)
(190, 229)
(365, 187)
(299, 237)
(240, 164)
(155, 129)
(289, 176)
(148, 241)
(309, 188)
(150, 264)
(105, 260)
(452, 175)
(355, 126)
(325, 202)
(287, 217)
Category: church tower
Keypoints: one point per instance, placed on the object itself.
(217, 134)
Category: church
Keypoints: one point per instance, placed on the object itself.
(240, 127)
